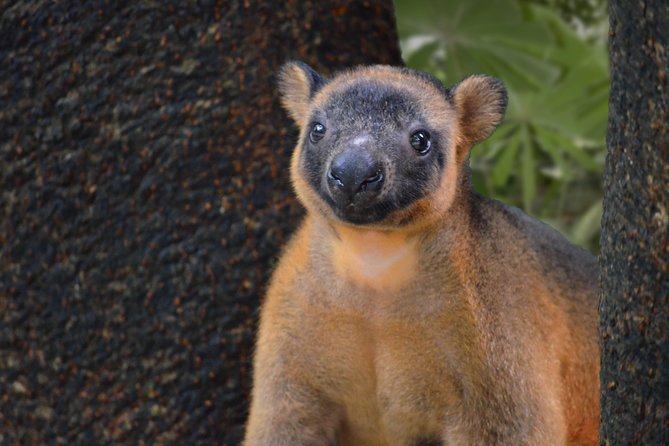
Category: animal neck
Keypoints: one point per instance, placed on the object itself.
(374, 259)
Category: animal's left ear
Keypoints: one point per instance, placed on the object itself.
(298, 83)
(480, 102)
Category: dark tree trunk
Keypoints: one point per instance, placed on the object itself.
(144, 196)
(635, 229)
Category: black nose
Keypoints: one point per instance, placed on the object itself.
(355, 171)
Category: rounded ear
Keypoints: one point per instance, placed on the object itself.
(480, 102)
(298, 83)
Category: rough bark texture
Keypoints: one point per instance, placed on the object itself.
(635, 236)
(144, 196)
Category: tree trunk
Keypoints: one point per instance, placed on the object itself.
(144, 197)
(634, 257)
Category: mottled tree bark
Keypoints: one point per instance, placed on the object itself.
(144, 194)
(634, 257)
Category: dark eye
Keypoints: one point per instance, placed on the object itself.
(420, 141)
(317, 132)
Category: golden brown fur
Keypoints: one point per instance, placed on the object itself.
(455, 321)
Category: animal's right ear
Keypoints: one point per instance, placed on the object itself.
(298, 83)
(480, 102)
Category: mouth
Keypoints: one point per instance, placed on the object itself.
(357, 212)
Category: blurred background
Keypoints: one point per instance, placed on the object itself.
(548, 155)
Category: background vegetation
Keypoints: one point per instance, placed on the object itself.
(548, 155)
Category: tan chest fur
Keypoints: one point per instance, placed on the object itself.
(380, 261)
(393, 377)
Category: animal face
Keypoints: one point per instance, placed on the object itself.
(379, 146)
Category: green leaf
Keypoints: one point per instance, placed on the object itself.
(588, 225)
(422, 55)
(529, 179)
(551, 140)
(505, 163)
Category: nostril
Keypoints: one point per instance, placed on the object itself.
(333, 177)
(378, 176)
(372, 182)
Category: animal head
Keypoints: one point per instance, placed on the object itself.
(384, 147)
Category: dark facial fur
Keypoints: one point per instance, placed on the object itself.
(369, 123)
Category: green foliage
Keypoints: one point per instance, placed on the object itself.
(548, 155)
(588, 17)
